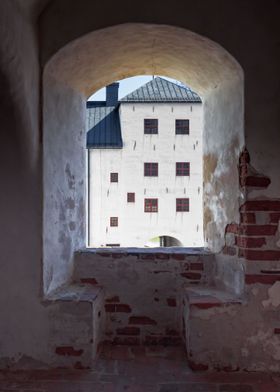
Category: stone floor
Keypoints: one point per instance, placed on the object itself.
(135, 369)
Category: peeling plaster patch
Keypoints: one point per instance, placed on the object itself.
(274, 296)
(206, 314)
(210, 162)
(268, 341)
(255, 291)
(70, 177)
(70, 203)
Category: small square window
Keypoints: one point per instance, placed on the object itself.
(130, 197)
(182, 168)
(182, 127)
(150, 169)
(114, 221)
(182, 205)
(114, 177)
(151, 205)
(150, 126)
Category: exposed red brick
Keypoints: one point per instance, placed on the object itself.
(207, 305)
(92, 281)
(248, 217)
(232, 228)
(68, 351)
(251, 254)
(197, 366)
(142, 320)
(274, 217)
(148, 256)
(162, 256)
(113, 299)
(257, 229)
(197, 266)
(261, 278)
(250, 242)
(127, 340)
(257, 181)
(123, 308)
(128, 331)
(229, 250)
(277, 331)
(261, 205)
(178, 256)
(162, 340)
(191, 275)
(171, 302)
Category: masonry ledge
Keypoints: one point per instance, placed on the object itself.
(75, 293)
(154, 251)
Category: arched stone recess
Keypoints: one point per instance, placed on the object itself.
(101, 57)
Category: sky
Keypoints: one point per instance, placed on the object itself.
(127, 86)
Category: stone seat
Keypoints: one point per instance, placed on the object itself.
(210, 328)
(77, 324)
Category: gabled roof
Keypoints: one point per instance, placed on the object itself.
(162, 90)
(104, 129)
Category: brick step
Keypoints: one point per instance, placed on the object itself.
(269, 277)
(256, 181)
(77, 324)
(205, 298)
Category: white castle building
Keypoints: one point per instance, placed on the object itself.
(145, 167)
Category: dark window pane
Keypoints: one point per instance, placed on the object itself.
(131, 197)
(114, 221)
(182, 168)
(150, 126)
(114, 177)
(182, 127)
(151, 205)
(150, 169)
(182, 204)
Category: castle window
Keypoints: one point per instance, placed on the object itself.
(150, 126)
(182, 205)
(114, 177)
(114, 221)
(130, 197)
(182, 127)
(151, 205)
(150, 169)
(182, 168)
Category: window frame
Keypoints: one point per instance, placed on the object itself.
(180, 129)
(130, 198)
(151, 205)
(182, 204)
(150, 169)
(114, 177)
(182, 169)
(114, 221)
(150, 129)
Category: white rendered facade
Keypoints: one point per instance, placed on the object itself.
(109, 199)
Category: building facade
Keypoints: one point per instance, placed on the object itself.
(145, 167)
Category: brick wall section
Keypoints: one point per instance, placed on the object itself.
(143, 291)
(255, 238)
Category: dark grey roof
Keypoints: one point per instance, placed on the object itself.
(104, 129)
(161, 90)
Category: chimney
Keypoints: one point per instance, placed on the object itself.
(112, 94)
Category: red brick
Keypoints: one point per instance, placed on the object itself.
(274, 217)
(261, 205)
(257, 181)
(162, 256)
(92, 281)
(178, 256)
(148, 256)
(191, 275)
(127, 340)
(261, 278)
(277, 331)
(248, 217)
(142, 320)
(197, 266)
(257, 229)
(171, 302)
(232, 228)
(123, 308)
(110, 308)
(207, 305)
(197, 366)
(251, 254)
(250, 242)
(68, 351)
(113, 299)
(128, 331)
